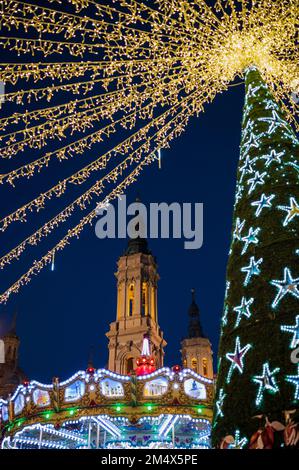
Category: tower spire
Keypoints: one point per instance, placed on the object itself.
(194, 327)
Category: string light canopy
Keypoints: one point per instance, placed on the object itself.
(81, 71)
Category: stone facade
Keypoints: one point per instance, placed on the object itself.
(137, 312)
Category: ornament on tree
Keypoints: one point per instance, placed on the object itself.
(250, 238)
(294, 329)
(266, 381)
(265, 201)
(237, 358)
(252, 269)
(287, 286)
(292, 210)
(243, 310)
(219, 404)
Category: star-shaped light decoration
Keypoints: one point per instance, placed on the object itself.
(247, 167)
(294, 329)
(258, 178)
(271, 105)
(265, 201)
(237, 358)
(250, 238)
(219, 403)
(251, 142)
(294, 379)
(273, 156)
(287, 286)
(292, 210)
(248, 128)
(243, 310)
(266, 381)
(238, 229)
(274, 122)
(251, 269)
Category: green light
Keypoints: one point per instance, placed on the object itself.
(48, 416)
(149, 407)
(72, 412)
(199, 410)
(118, 408)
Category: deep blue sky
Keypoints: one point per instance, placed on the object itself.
(62, 313)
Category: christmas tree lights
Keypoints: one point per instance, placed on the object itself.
(294, 329)
(265, 325)
(266, 381)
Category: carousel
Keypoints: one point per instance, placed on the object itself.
(164, 408)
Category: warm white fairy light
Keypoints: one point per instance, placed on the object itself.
(177, 55)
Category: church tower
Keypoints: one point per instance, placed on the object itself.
(137, 312)
(196, 348)
(10, 374)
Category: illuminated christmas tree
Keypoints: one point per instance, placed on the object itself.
(257, 374)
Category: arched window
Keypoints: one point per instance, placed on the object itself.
(205, 367)
(194, 364)
(144, 308)
(131, 299)
(185, 363)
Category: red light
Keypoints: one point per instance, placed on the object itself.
(90, 370)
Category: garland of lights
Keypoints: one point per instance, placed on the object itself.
(127, 62)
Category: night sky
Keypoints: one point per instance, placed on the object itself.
(61, 314)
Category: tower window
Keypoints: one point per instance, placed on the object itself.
(144, 299)
(205, 367)
(194, 364)
(131, 299)
(185, 363)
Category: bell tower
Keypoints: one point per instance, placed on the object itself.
(196, 348)
(137, 313)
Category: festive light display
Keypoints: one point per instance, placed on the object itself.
(219, 404)
(287, 286)
(292, 211)
(294, 329)
(243, 310)
(266, 381)
(237, 358)
(90, 415)
(252, 269)
(265, 201)
(266, 253)
(79, 72)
